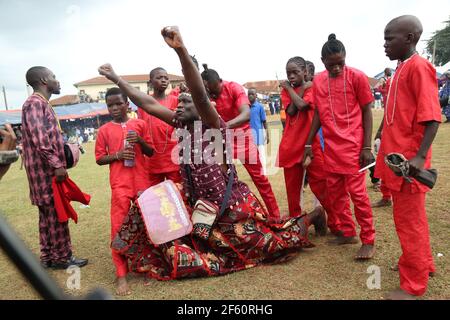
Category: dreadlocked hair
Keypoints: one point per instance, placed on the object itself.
(299, 61)
(209, 75)
(332, 46)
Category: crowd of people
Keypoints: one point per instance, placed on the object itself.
(337, 103)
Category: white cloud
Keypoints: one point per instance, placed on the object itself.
(242, 40)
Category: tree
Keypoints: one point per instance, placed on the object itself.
(442, 40)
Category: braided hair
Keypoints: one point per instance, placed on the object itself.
(299, 61)
(210, 75)
(333, 46)
(310, 66)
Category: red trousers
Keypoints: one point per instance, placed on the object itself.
(339, 187)
(120, 205)
(156, 178)
(247, 152)
(412, 229)
(293, 177)
(385, 191)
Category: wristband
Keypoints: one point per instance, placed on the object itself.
(8, 157)
(308, 146)
(367, 148)
(118, 81)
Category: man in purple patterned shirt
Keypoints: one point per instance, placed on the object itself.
(43, 152)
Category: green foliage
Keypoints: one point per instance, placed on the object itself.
(442, 40)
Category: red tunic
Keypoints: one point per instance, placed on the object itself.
(292, 145)
(110, 139)
(161, 139)
(227, 104)
(385, 89)
(342, 118)
(417, 102)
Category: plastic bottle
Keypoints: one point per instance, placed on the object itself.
(128, 145)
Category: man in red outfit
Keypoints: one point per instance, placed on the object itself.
(343, 101)
(411, 119)
(296, 96)
(118, 142)
(161, 166)
(232, 104)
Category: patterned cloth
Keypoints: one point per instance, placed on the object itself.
(43, 152)
(241, 239)
(208, 180)
(43, 148)
(54, 237)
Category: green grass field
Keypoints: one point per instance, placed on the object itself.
(324, 272)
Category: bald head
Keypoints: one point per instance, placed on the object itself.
(407, 24)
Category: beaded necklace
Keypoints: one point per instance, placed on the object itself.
(166, 135)
(51, 109)
(395, 79)
(345, 99)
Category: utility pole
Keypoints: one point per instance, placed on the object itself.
(4, 97)
(434, 53)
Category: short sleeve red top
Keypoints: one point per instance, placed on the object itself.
(412, 101)
(110, 140)
(231, 98)
(292, 145)
(339, 102)
(161, 140)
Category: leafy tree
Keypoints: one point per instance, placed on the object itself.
(442, 40)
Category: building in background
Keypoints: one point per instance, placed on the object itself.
(95, 88)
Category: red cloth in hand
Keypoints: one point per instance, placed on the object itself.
(63, 194)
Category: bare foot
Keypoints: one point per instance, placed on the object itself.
(341, 240)
(376, 187)
(381, 203)
(122, 287)
(337, 233)
(147, 281)
(366, 252)
(319, 219)
(399, 294)
(431, 274)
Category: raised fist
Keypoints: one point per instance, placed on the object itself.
(172, 36)
(108, 71)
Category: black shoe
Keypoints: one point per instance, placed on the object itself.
(46, 264)
(71, 262)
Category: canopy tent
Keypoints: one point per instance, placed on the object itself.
(12, 116)
(75, 111)
(439, 71)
